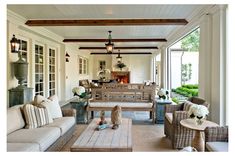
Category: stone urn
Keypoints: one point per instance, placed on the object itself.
(20, 71)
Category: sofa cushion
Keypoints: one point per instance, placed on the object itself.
(64, 123)
(44, 136)
(169, 117)
(23, 147)
(122, 104)
(14, 115)
(52, 104)
(36, 116)
(217, 146)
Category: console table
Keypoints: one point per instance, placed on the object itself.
(160, 104)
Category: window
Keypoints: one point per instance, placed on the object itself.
(39, 80)
(102, 65)
(83, 65)
(183, 62)
(52, 72)
(24, 51)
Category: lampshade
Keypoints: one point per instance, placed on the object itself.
(109, 45)
(119, 58)
(15, 45)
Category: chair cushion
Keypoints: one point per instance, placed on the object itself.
(122, 104)
(23, 147)
(169, 117)
(36, 116)
(44, 136)
(217, 146)
(64, 123)
(14, 115)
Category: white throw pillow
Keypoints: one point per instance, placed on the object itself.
(55, 107)
(51, 103)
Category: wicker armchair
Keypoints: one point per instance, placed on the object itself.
(216, 139)
(180, 136)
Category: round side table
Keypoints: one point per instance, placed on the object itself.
(198, 141)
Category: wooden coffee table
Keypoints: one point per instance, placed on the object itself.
(106, 140)
(198, 141)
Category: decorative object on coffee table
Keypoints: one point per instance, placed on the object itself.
(102, 118)
(116, 116)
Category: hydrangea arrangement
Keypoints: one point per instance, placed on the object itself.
(163, 94)
(79, 91)
(198, 112)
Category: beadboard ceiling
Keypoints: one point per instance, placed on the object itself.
(78, 11)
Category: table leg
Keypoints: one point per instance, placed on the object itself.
(198, 141)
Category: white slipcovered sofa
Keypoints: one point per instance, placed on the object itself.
(50, 137)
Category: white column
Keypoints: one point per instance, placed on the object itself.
(205, 58)
(212, 67)
(153, 68)
(163, 68)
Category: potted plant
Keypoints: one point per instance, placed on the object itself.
(120, 65)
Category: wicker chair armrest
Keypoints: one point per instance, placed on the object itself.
(213, 134)
(69, 112)
(172, 108)
(178, 116)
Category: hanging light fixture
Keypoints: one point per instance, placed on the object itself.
(109, 45)
(119, 58)
(67, 57)
(15, 45)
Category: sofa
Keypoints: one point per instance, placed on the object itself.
(216, 139)
(180, 136)
(50, 137)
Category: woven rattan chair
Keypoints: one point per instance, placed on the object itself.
(216, 139)
(180, 136)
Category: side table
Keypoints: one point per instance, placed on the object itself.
(160, 110)
(198, 141)
(81, 113)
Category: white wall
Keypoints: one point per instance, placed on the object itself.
(96, 68)
(71, 71)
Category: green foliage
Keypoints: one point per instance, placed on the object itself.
(191, 41)
(191, 86)
(187, 90)
(120, 65)
(186, 72)
(175, 100)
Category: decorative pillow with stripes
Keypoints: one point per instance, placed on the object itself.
(36, 116)
(187, 105)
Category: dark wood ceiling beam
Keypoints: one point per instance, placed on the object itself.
(139, 53)
(97, 48)
(118, 40)
(106, 22)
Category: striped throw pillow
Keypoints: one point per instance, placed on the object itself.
(35, 116)
(187, 105)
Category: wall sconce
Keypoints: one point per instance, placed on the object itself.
(109, 45)
(15, 44)
(67, 57)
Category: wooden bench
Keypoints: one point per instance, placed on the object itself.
(133, 97)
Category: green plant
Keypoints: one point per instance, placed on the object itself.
(120, 65)
(186, 72)
(175, 100)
